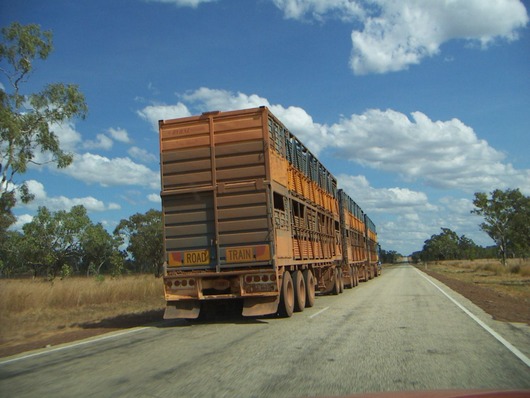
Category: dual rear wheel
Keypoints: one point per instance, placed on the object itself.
(297, 292)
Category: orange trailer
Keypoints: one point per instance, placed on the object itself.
(249, 213)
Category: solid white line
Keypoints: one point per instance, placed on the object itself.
(73, 345)
(319, 312)
(501, 339)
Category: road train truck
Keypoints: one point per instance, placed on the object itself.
(250, 214)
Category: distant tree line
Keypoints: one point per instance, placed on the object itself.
(64, 243)
(389, 256)
(506, 220)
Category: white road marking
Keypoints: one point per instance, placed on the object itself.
(73, 345)
(499, 338)
(318, 313)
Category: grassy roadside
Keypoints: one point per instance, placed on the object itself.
(503, 292)
(38, 313)
(35, 313)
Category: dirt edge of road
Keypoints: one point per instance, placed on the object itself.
(501, 307)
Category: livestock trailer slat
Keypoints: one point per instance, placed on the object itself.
(245, 206)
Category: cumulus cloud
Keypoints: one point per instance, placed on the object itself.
(415, 217)
(400, 33)
(154, 113)
(101, 170)
(120, 135)
(405, 32)
(445, 154)
(155, 198)
(393, 200)
(142, 155)
(296, 119)
(318, 9)
(67, 134)
(54, 203)
(101, 142)
(21, 220)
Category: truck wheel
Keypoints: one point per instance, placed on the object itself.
(286, 306)
(299, 291)
(309, 280)
(336, 282)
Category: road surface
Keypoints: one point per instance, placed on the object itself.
(401, 331)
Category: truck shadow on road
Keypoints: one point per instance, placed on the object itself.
(213, 313)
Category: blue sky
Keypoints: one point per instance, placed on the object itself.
(412, 105)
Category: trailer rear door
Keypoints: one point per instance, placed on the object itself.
(215, 199)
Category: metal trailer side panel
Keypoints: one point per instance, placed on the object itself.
(216, 209)
(353, 230)
(305, 206)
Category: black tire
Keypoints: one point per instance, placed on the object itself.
(299, 291)
(309, 280)
(286, 306)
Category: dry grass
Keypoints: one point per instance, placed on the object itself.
(30, 308)
(514, 279)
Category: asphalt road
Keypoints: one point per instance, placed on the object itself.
(397, 332)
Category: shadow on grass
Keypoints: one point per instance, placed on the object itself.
(126, 321)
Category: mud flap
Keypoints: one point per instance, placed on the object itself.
(187, 309)
(254, 306)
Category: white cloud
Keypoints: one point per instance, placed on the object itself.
(296, 119)
(61, 202)
(400, 33)
(318, 9)
(388, 200)
(405, 217)
(444, 154)
(142, 155)
(155, 198)
(67, 135)
(101, 170)
(101, 142)
(405, 32)
(206, 99)
(119, 135)
(22, 220)
(183, 3)
(154, 113)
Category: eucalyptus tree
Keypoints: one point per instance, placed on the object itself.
(506, 220)
(53, 240)
(28, 121)
(144, 238)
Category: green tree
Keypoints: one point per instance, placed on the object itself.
(143, 232)
(27, 120)
(389, 256)
(467, 249)
(506, 220)
(11, 254)
(53, 240)
(443, 246)
(99, 251)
